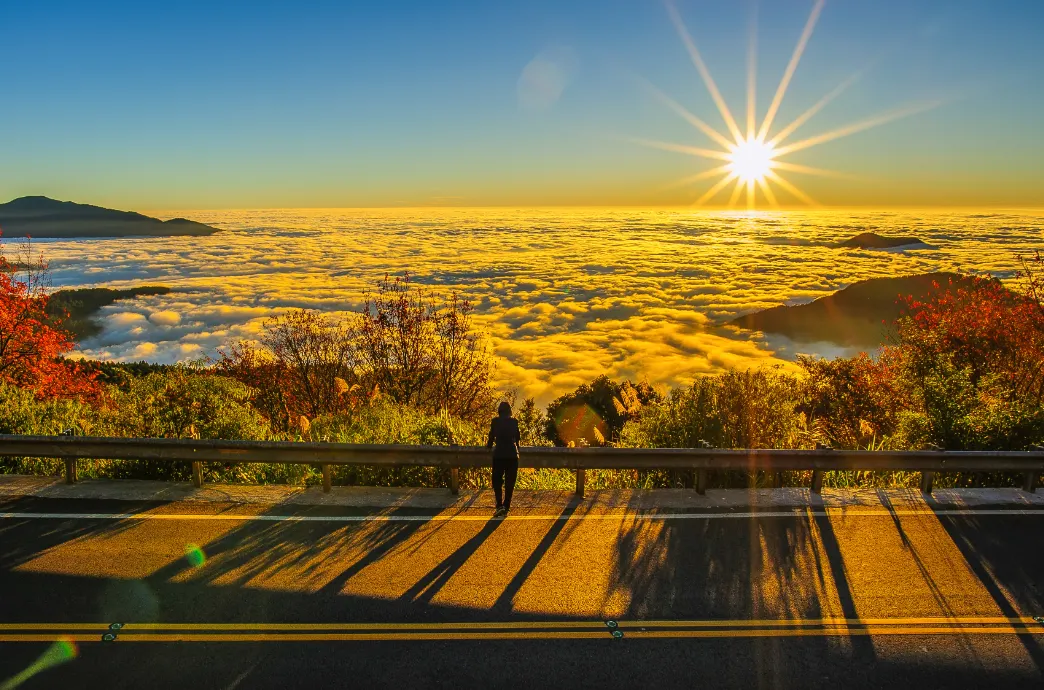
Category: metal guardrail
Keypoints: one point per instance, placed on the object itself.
(697, 460)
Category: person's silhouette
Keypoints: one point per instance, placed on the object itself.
(504, 438)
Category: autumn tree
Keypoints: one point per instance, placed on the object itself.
(849, 402)
(405, 344)
(970, 360)
(425, 351)
(32, 342)
(306, 363)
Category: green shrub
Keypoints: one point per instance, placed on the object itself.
(738, 409)
(182, 403)
(21, 412)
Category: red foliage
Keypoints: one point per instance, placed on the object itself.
(31, 342)
(985, 328)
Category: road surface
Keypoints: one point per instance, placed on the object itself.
(211, 595)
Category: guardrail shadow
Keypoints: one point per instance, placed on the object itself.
(737, 569)
(24, 540)
(1007, 565)
(734, 568)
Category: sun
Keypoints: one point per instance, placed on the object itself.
(751, 160)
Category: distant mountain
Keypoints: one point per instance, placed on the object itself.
(871, 240)
(856, 316)
(77, 307)
(39, 216)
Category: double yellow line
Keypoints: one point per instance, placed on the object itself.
(515, 630)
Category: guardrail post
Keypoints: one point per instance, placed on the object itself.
(327, 478)
(701, 482)
(454, 481)
(817, 481)
(1030, 483)
(70, 471)
(926, 482)
(197, 475)
(581, 481)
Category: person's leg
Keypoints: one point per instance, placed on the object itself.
(511, 472)
(498, 480)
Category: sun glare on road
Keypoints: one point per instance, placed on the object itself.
(751, 160)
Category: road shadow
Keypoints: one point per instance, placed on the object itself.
(23, 540)
(701, 568)
(1008, 562)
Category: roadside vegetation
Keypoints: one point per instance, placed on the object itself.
(964, 370)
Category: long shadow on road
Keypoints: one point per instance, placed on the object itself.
(668, 569)
(1008, 567)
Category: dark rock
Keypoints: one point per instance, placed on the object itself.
(871, 240)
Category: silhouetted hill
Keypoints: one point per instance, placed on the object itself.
(82, 304)
(858, 315)
(39, 216)
(871, 240)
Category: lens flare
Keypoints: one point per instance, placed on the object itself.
(579, 423)
(195, 555)
(64, 649)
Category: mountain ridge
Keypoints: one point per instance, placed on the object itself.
(856, 315)
(43, 217)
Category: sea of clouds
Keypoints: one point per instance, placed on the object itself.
(565, 295)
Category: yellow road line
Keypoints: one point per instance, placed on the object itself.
(316, 637)
(841, 631)
(631, 625)
(783, 622)
(533, 635)
(512, 625)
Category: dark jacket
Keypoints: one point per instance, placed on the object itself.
(504, 438)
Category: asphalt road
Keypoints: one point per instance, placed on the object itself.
(239, 596)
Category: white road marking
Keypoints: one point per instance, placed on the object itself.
(442, 517)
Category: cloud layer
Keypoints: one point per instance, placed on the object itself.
(564, 294)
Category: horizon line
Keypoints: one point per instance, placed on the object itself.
(670, 207)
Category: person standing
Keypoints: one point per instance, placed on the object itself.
(504, 438)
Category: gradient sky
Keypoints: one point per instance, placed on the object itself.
(291, 104)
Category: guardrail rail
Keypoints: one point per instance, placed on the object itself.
(698, 461)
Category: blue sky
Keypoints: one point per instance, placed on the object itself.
(279, 104)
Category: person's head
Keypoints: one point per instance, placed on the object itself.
(505, 409)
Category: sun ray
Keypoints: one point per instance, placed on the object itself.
(685, 181)
(810, 170)
(720, 185)
(681, 148)
(752, 73)
(753, 161)
(681, 110)
(807, 115)
(782, 182)
(769, 194)
(788, 74)
(736, 192)
(701, 67)
(856, 127)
